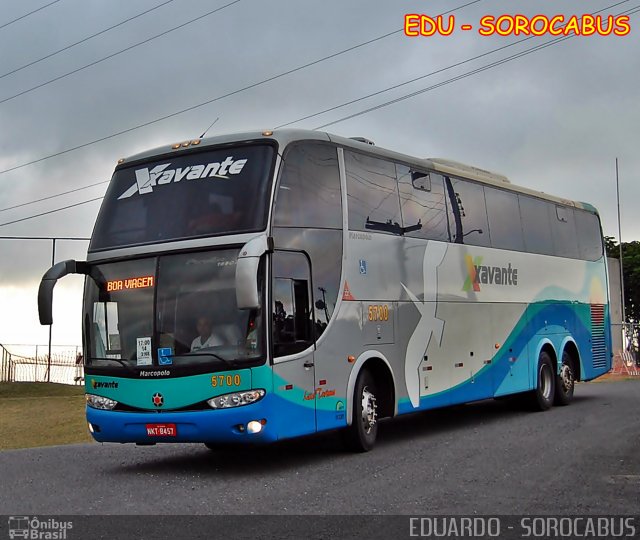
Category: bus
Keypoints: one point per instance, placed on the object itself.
(269, 285)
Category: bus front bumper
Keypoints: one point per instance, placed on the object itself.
(233, 425)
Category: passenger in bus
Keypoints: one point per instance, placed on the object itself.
(205, 338)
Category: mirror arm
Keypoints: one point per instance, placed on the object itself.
(49, 280)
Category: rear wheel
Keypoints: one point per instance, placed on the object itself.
(541, 399)
(565, 382)
(361, 435)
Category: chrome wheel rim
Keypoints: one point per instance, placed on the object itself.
(566, 376)
(369, 410)
(545, 381)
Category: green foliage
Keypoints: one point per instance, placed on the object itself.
(631, 274)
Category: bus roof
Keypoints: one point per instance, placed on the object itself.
(285, 136)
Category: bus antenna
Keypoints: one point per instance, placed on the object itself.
(212, 124)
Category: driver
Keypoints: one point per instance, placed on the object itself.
(205, 338)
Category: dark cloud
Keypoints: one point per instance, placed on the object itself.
(554, 120)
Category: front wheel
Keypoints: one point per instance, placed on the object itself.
(541, 399)
(565, 383)
(361, 435)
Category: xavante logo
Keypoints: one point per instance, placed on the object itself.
(147, 179)
(471, 280)
(487, 275)
(103, 384)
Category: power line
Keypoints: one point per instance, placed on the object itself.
(52, 196)
(50, 211)
(436, 72)
(117, 53)
(533, 49)
(188, 109)
(27, 14)
(83, 40)
(447, 81)
(44, 238)
(66, 238)
(515, 56)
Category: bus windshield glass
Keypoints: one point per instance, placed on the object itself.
(186, 196)
(173, 311)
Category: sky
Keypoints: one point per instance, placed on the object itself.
(553, 120)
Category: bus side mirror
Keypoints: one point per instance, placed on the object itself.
(49, 280)
(247, 296)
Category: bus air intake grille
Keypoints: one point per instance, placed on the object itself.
(598, 342)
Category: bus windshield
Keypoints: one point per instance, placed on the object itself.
(186, 196)
(173, 310)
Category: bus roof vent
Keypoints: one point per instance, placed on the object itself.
(448, 165)
(363, 140)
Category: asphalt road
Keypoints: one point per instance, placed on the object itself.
(484, 458)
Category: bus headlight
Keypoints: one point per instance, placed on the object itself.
(237, 399)
(100, 402)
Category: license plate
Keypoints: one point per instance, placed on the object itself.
(161, 430)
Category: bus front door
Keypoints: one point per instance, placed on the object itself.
(293, 343)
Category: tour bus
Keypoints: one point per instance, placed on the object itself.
(262, 286)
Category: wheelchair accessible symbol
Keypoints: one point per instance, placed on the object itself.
(363, 267)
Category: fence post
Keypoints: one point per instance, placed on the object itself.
(4, 375)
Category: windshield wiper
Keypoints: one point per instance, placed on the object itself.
(214, 355)
(118, 360)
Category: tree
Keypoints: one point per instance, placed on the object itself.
(631, 276)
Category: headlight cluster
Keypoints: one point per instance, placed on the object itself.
(100, 402)
(237, 399)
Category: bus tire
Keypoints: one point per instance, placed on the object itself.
(541, 399)
(361, 435)
(565, 382)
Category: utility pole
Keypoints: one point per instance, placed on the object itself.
(53, 261)
(624, 318)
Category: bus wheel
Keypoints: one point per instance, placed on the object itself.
(361, 434)
(565, 383)
(542, 396)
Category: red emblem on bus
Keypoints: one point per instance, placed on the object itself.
(157, 399)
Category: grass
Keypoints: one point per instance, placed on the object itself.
(41, 414)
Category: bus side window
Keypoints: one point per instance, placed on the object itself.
(291, 310)
(423, 205)
(589, 235)
(308, 193)
(372, 193)
(536, 225)
(563, 229)
(469, 203)
(505, 224)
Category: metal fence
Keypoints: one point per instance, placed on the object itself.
(629, 337)
(31, 363)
